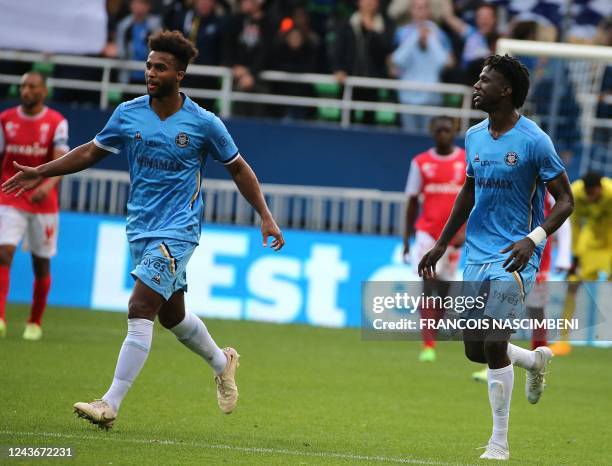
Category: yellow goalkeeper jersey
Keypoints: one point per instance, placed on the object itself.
(592, 221)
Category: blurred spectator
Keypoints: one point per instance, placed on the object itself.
(399, 10)
(205, 28)
(132, 34)
(172, 13)
(116, 10)
(479, 41)
(422, 54)
(247, 44)
(526, 30)
(604, 108)
(294, 52)
(363, 44)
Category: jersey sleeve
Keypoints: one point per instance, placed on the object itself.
(60, 138)
(414, 183)
(547, 160)
(111, 137)
(220, 143)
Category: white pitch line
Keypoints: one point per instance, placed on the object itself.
(277, 451)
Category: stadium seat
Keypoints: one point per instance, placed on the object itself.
(331, 91)
(452, 100)
(115, 97)
(383, 117)
(44, 67)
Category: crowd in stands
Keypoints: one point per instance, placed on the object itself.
(417, 40)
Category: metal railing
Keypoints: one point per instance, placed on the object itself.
(582, 68)
(301, 207)
(226, 95)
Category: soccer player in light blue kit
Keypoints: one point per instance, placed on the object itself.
(510, 162)
(166, 138)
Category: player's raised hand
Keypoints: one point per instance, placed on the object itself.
(427, 266)
(270, 228)
(25, 179)
(520, 253)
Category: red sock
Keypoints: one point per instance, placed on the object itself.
(538, 340)
(429, 334)
(39, 299)
(4, 288)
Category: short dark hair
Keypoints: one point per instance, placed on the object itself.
(515, 73)
(592, 179)
(438, 118)
(174, 43)
(490, 6)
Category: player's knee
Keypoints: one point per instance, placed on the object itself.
(6, 255)
(168, 321)
(139, 308)
(474, 352)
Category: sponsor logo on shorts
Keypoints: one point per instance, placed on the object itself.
(49, 232)
(156, 279)
(506, 298)
(154, 263)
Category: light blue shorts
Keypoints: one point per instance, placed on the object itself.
(161, 263)
(505, 292)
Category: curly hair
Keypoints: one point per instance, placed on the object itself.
(174, 43)
(515, 73)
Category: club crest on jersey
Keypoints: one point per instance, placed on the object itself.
(511, 159)
(182, 140)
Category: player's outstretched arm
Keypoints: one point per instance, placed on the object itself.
(77, 159)
(459, 215)
(248, 185)
(521, 251)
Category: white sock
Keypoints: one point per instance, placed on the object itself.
(501, 382)
(132, 357)
(521, 357)
(192, 333)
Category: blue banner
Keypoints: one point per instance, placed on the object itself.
(316, 279)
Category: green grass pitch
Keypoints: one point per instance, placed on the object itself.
(307, 396)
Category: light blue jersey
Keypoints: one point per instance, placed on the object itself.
(165, 162)
(509, 177)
